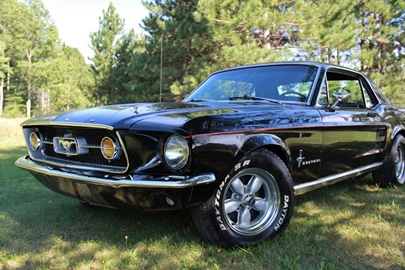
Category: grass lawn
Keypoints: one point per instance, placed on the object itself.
(349, 225)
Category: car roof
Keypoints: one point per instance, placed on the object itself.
(303, 63)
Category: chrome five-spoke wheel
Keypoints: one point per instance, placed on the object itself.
(251, 202)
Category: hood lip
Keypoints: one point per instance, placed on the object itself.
(32, 123)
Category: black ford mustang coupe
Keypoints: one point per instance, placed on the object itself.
(235, 152)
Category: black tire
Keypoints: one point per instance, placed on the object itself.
(253, 203)
(393, 169)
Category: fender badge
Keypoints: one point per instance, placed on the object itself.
(301, 161)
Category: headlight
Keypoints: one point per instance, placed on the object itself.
(35, 141)
(176, 152)
(109, 148)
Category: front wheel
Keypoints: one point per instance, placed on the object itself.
(393, 169)
(253, 203)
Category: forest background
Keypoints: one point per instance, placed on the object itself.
(183, 41)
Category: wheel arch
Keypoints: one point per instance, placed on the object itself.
(253, 143)
(270, 142)
(397, 130)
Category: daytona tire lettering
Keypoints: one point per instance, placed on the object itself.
(221, 186)
(253, 203)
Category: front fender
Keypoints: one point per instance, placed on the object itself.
(269, 141)
(224, 159)
(397, 130)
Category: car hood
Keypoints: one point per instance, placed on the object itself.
(190, 117)
(122, 116)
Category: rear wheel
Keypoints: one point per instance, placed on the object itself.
(393, 169)
(253, 203)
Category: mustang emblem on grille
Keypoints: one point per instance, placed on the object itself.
(66, 144)
(70, 146)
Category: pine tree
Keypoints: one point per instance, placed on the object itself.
(104, 45)
(330, 32)
(176, 49)
(124, 54)
(382, 43)
(250, 31)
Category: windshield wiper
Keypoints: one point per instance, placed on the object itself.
(201, 100)
(246, 97)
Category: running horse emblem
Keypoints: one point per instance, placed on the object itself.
(66, 144)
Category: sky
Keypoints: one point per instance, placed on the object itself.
(76, 19)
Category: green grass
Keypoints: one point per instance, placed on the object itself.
(349, 225)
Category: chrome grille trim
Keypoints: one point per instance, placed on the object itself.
(89, 160)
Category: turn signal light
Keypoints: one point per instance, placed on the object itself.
(35, 141)
(109, 148)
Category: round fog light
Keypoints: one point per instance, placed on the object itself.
(35, 141)
(109, 148)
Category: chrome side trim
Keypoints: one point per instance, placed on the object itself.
(369, 153)
(330, 180)
(132, 180)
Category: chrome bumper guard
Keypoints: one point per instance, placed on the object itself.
(141, 181)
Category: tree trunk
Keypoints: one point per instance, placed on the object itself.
(28, 86)
(1, 97)
(8, 80)
(28, 108)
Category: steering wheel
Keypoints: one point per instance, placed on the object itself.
(293, 93)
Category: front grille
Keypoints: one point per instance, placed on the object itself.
(93, 136)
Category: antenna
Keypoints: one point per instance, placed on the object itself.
(161, 68)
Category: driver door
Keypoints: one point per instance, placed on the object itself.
(353, 133)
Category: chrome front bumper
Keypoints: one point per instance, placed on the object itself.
(136, 180)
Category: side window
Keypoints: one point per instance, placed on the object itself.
(338, 84)
(351, 87)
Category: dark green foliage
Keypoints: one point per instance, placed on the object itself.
(382, 44)
(38, 73)
(104, 44)
(176, 51)
(183, 42)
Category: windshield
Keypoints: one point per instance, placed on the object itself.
(278, 83)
